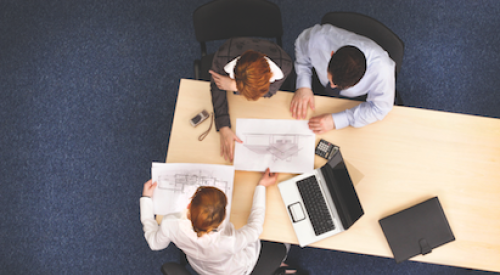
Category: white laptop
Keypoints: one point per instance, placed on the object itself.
(322, 203)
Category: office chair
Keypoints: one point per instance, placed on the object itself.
(373, 29)
(269, 260)
(224, 19)
(174, 269)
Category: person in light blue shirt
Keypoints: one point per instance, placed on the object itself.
(349, 65)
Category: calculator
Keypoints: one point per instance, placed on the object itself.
(326, 149)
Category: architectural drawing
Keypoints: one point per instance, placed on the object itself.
(283, 147)
(184, 182)
(177, 182)
(278, 144)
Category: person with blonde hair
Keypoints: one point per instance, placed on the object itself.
(213, 246)
(250, 67)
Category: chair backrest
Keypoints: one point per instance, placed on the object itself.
(223, 19)
(371, 28)
(174, 269)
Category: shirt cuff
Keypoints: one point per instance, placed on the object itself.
(260, 195)
(304, 81)
(340, 120)
(146, 208)
(222, 121)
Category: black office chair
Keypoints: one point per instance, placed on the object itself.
(373, 29)
(269, 260)
(224, 19)
(174, 269)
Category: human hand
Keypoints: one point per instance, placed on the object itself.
(322, 123)
(227, 138)
(224, 83)
(149, 187)
(302, 98)
(268, 178)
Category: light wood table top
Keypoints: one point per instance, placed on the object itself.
(410, 156)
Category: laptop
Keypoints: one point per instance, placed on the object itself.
(322, 203)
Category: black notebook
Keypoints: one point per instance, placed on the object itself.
(417, 230)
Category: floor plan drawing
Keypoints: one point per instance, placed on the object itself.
(282, 145)
(183, 182)
(177, 182)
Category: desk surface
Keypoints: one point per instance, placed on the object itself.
(410, 156)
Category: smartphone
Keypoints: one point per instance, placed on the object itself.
(199, 118)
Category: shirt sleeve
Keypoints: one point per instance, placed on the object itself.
(379, 101)
(254, 227)
(219, 97)
(286, 68)
(156, 237)
(303, 65)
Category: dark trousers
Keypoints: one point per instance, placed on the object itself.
(270, 258)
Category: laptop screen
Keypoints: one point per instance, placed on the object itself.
(342, 190)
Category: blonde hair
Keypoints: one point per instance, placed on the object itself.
(207, 210)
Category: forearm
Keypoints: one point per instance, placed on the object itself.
(221, 109)
(362, 115)
(304, 75)
(258, 211)
(152, 232)
(303, 65)
(252, 230)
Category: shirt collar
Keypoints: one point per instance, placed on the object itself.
(275, 70)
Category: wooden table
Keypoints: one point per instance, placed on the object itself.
(410, 156)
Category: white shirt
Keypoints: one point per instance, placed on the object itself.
(275, 70)
(313, 48)
(227, 251)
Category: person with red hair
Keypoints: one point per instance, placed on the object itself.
(211, 244)
(251, 67)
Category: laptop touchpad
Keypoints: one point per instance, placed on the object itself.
(297, 212)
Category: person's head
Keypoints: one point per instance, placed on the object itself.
(252, 74)
(347, 66)
(207, 209)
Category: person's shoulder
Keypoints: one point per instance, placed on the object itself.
(311, 31)
(379, 57)
(381, 66)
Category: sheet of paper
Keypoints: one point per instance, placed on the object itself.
(283, 145)
(177, 182)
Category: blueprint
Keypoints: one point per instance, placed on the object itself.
(282, 145)
(177, 182)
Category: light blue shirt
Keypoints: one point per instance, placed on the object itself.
(313, 48)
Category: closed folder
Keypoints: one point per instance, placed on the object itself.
(417, 230)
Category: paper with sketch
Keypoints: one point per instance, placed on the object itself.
(177, 182)
(282, 145)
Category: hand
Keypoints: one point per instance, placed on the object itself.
(149, 187)
(302, 98)
(227, 138)
(322, 123)
(224, 83)
(268, 178)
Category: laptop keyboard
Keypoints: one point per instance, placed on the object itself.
(315, 204)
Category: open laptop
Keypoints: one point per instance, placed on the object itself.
(322, 203)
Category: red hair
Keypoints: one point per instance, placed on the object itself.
(252, 74)
(207, 210)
